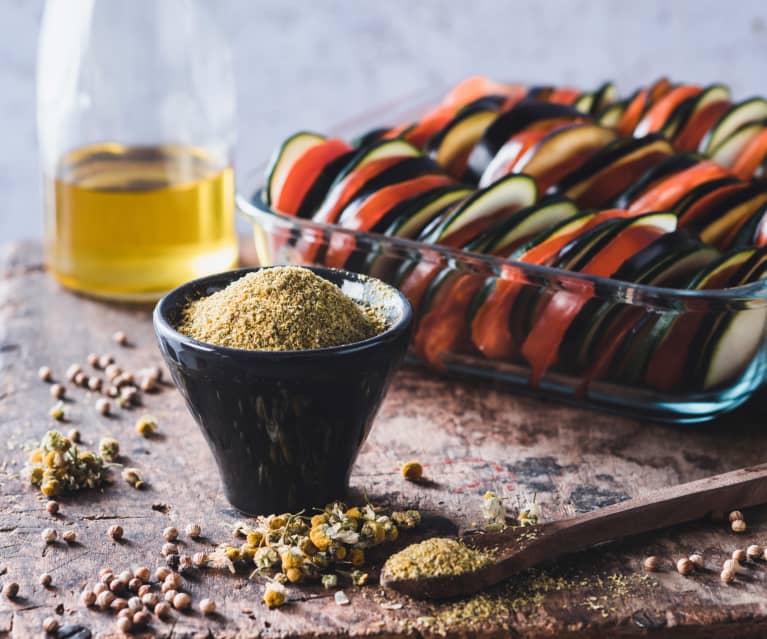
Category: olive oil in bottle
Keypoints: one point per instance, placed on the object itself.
(132, 222)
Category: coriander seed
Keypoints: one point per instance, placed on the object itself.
(93, 360)
(169, 549)
(697, 560)
(141, 618)
(207, 606)
(134, 584)
(145, 589)
(168, 592)
(119, 604)
(184, 563)
(50, 625)
(170, 533)
(412, 471)
(125, 576)
(119, 337)
(162, 610)
(81, 379)
(58, 391)
(105, 599)
(125, 624)
(94, 384)
(652, 563)
(173, 580)
(45, 580)
(134, 604)
(87, 598)
(72, 371)
(727, 576)
(45, 373)
(111, 391)
(103, 406)
(161, 573)
(102, 586)
(739, 555)
(11, 590)
(684, 566)
(200, 559)
(74, 436)
(732, 565)
(112, 372)
(150, 599)
(52, 506)
(69, 536)
(115, 532)
(182, 601)
(754, 552)
(738, 526)
(49, 535)
(156, 373)
(105, 360)
(735, 515)
(148, 384)
(143, 573)
(194, 531)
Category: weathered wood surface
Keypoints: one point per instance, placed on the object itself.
(471, 437)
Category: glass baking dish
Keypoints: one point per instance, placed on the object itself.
(671, 355)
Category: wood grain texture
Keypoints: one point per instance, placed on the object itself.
(471, 438)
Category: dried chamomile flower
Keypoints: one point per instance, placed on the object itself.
(329, 581)
(109, 448)
(146, 425)
(275, 594)
(132, 477)
(493, 512)
(529, 513)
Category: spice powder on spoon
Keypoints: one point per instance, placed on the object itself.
(284, 308)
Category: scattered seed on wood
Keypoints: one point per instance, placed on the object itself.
(194, 531)
(161, 573)
(146, 588)
(146, 425)
(754, 551)
(11, 590)
(105, 360)
(49, 535)
(173, 580)
(652, 563)
(69, 536)
(105, 599)
(697, 560)
(162, 610)
(74, 436)
(58, 391)
(738, 526)
(134, 584)
(125, 624)
(93, 360)
(119, 604)
(111, 391)
(727, 576)
(182, 601)
(52, 506)
(150, 599)
(200, 559)
(94, 384)
(184, 563)
(81, 379)
(45, 373)
(148, 384)
(207, 606)
(168, 592)
(115, 532)
(684, 566)
(733, 565)
(50, 624)
(412, 471)
(143, 573)
(45, 580)
(119, 337)
(141, 618)
(102, 585)
(739, 555)
(735, 515)
(87, 598)
(169, 549)
(72, 371)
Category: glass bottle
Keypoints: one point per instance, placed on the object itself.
(136, 127)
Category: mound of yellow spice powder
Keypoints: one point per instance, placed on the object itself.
(436, 557)
(285, 308)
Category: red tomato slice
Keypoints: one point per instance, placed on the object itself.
(633, 113)
(700, 209)
(477, 86)
(699, 124)
(565, 95)
(490, 327)
(541, 346)
(305, 171)
(659, 112)
(751, 157)
(664, 195)
(372, 209)
(660, 88)
(417, 281)
(343, 192)
(444, 328)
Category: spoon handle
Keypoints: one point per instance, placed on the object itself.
(659, 509)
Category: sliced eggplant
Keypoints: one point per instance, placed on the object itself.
(282, 161)
(751, 110)
(700, 191)
(370, 137)
(319, 188)
(729, 213)
(604, 97)
(377, 151)
(748, 233)
(485, 207)
(693, 105)
(410, 218)
(519, 117)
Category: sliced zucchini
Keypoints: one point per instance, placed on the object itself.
(604, 97)
(700, 191)
(751, 110)
(717, 231)
(554, 236)
(517, 118)
(377, 151)
(369, 137)
(410, 218)
(483, 208)
(748, 234)
(693, 105)
(584, 103)
(283, 159)
(612, 114)
(319, 188)
(508, 235)
(728, 150)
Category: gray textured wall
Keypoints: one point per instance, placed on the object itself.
(311, 64)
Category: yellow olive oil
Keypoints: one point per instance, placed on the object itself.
(132, 222)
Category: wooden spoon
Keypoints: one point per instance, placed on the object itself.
(523, 547)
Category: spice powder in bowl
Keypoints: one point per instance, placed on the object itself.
(284, 308)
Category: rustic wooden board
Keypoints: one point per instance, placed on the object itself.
(471, 437)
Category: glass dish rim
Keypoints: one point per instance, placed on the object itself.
(754, 295)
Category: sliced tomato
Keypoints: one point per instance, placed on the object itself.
(541, 346)
(476, 86)
(444, 328)
(665, 194)
(370, 211)
(633, 114)
(658, 114)
(658, 89)
(305, 171)
(417, 281)
(699, 124)
(564, 95)
(698, 212)
(490, 331)
(751, 157)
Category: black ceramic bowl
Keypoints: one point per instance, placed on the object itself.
(285, 427)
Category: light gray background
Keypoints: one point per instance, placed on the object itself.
(312, 63)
